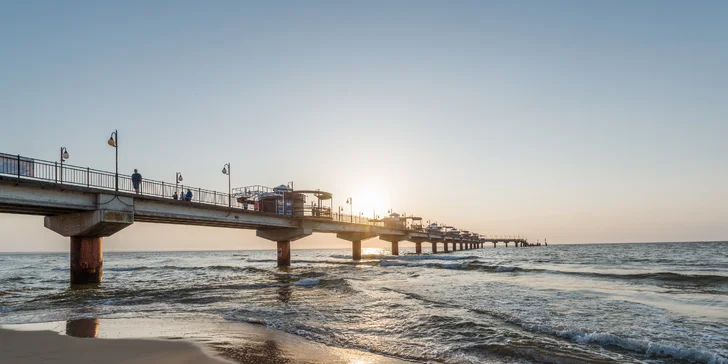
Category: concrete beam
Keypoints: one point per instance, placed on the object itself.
(285, 234)
(392, 238)
(356, 236)
(113, 213)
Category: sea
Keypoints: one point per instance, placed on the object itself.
(597, 303)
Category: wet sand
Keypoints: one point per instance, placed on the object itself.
(171, 340)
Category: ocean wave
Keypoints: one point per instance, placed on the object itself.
(647, 348)
(125, 269)
(503, 268)
(667, 277)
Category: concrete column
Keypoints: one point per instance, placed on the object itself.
(494, 244)
(395, 248)
(418, 248)
(461, 246)
(284, 253)
(434, 248)
(87, 261)
(506, 244)
(446, 248)
(454, 247)
(356, 249)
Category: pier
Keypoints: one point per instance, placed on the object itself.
(87, 205)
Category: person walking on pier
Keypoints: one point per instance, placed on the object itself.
(136, 180)
(188, 196)
(174, 197)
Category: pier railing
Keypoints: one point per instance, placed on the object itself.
(67, 174)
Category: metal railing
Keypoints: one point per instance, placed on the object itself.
(66, 174)
(25, 168)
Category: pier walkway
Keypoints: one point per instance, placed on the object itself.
(87, 204)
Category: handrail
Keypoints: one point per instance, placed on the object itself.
(66, 174)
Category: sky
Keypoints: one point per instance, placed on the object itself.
(580, 122)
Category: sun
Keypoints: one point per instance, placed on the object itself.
(370, 200)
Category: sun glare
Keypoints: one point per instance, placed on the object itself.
(370, 200)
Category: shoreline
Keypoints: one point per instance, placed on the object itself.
(201, 339)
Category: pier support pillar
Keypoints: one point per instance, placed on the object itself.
(506, 244)
(394, 239)
(454, 247)
(494, 245)
(87, 229)
(283, 238)
(461, 246)
(418, 248)
(434, 248)
(446, 249)
(284, 253)
(356, 250)
(356, 238)
(87, 260)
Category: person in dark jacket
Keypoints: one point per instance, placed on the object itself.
(188, 196)
(136, 180)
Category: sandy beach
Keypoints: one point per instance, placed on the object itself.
(173, 340)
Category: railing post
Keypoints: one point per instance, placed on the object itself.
(214, 196)
(163, 195)
(88, 176)
(55, 171)
(18, 165)
(199, 195)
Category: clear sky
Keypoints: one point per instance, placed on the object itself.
(579, 121)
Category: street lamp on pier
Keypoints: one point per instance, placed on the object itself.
(226, 170)
(114, 142)
(177, 180)
(350, 202)
(64, 156)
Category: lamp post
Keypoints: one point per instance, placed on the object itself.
(226, 170)
(114, 142)
(350, 202)
(64, 156)
(177, 180)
